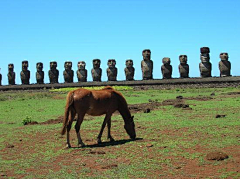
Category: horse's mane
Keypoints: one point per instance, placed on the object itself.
(108, 88)
(118, 94)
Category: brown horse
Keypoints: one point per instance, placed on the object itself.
(96, 103)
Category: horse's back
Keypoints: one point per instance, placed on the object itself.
(95, 102)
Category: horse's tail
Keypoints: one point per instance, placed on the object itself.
(68, 109)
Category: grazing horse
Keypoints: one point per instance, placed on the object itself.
(96, 103)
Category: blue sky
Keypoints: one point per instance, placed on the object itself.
(81, 30)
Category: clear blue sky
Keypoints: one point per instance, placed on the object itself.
(76, 30)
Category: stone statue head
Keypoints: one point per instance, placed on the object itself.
(146, 54)
(111, 63)
(24, 65)
(96, 63)
(39, 66)
(204, 50)
(166, 61)
(81, 65)
(129, 63)
(68, 65)
(204, 57)
(224, 56)
(183, 59)
(10, 67)
(53, 65)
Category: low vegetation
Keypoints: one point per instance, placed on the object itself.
(173, 140)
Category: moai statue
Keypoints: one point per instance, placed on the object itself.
(205, 66)
(82, 72)
(129, 70)
(224, 65)
(39, 73)
(96, 71)
(183, 67)
(25, 73)
(68, 72)
(147, 65)
(166, 68)
(53, 73)
(0, 78)
(112, 70)
(11, 74)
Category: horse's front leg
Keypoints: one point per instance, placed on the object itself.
(77, 128)
(109, 130)
(106, 119)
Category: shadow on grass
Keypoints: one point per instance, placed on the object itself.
(106, 144)
(117, 142)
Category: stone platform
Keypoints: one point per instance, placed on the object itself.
(159, 83)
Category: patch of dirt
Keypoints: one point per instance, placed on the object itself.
(97, 152)
(200, 98)
(54, 121)
(31, 123)
(144, 107)
(217, 156)
(110, 166)
(231, 93)
(57, 120)
(9, 146)
(173, 102)
(180, 105)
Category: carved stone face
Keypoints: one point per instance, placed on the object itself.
(24, 65)
(96, 63)
(146, 54)
(166, 61)
(81, 65)
(39, 66)
(183, 59)
(111, 63)
(224, 56)
(129, 63)
(204, 57)
(53, 65)
(10, 67)
(68, 65)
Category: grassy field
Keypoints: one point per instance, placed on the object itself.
(171, 142)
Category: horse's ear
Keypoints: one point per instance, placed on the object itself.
(132, 117)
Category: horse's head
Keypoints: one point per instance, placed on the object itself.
(130, 128)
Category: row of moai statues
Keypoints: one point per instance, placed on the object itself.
(205, 68)
(0, 78)
(166, 68)
(68, 73)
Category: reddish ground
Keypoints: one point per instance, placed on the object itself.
(182, 167)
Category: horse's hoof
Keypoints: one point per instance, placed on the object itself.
(81, 145)
(68, 146)
(99, 141)
(112, 140)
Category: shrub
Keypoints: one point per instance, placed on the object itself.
(27, 120)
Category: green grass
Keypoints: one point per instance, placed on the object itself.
(176, 136)
(119, 88)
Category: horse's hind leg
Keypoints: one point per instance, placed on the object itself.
(69, 125)
(68, 134)
(106, 119)
(109, 130)
(77, 128)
